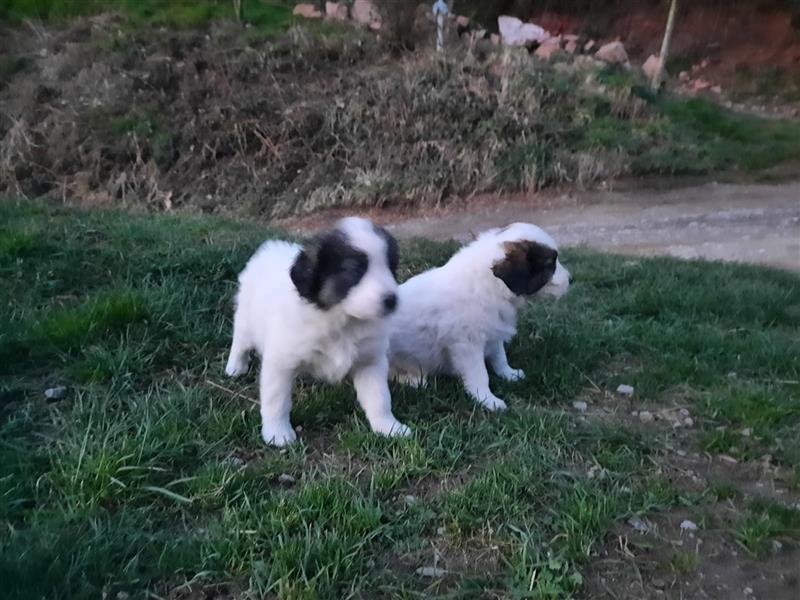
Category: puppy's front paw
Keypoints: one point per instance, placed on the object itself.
(391, 428)
(236, 368)
(494, 404)
(278, 434)
(512, 374)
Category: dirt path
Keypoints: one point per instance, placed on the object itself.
(745, 223)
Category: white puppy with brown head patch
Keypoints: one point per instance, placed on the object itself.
(455, 318)
(320, 309)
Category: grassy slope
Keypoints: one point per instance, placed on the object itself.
(366, 130)
(273, 16)
(149, 474)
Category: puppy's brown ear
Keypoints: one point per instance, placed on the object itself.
(527, 266)
(392, 251)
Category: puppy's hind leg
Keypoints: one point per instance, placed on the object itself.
(496, 353)
(372, 391)
(275, 394)
(239, 356)
(468, 361)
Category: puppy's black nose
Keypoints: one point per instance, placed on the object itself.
(571, 279)
(389, 303)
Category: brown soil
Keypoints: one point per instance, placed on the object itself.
(665, 562)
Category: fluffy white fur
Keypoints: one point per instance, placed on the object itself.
(455, 318)
(294, 336)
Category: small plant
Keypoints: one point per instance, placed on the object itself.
(683, 563)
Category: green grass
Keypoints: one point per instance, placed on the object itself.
(265, 17)
(149, 475)
(766, 523)
(686, 136)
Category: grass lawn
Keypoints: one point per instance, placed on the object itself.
(151, 477)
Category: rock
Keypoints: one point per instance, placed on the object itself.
(688, 422)
(639, 524)
(646, 416)
(409, 500)
(473, 37)
(698, 85)
(514, 32)
(430, 572)
(286, 478)
(747, 432)
(56, 393)
(336, 11)
(651, 66)
(299, 428)
(684, 412)
(580, 406)
(440, 531)
(716, 89)
(728, 459)
(571, 47)
(659, 583)
(233, 461)
(684, 76)
(776, 546)
(596, 471)
(688, 525)
(613, 53)
(589, 46)
(308, 11)
(365, 13)
(625, 390)
(548, 48)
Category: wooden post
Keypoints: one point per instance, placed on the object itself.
(662, 63)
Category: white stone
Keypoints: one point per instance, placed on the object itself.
(548, 48)
(651, 66)
(286, 478)
(56, 393)
(625, 390)
(336, 11)
(688, 525)
(613, 53)
(365, 13)
(309, 11)
(430, 572)
(580, 406)
(516, 33)
(646, 417)
(639, 524)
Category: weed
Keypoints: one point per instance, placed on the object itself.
(683, 563)
(766, 522)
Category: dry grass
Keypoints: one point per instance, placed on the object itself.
(327, 117)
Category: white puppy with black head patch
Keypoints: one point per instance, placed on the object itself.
(455, 318)
(320, 309)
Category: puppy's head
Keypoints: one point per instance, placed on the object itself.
(529, 264)
(352, 267)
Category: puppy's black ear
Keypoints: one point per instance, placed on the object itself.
(304, 271)
(527, 266)
(392, 251)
